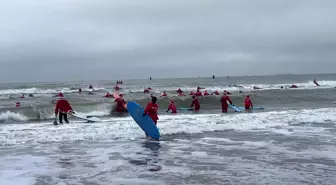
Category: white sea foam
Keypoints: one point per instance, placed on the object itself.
(35, 90)
(12, 116)
(244, 87)
(324, 84)
(192, 123)
(21, 169)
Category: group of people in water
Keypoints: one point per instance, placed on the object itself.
(63, 107)
(180, 93)
(152, 107)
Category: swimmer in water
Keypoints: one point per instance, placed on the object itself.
(172, 107)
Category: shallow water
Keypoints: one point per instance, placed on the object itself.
(292, 141)
(256, 148)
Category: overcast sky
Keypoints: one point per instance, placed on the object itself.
(46, 40)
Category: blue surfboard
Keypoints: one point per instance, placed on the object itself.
(254, 108)
(185, 108)
(145, 122)
(233, 107)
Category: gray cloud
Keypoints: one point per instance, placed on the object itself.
(69, 39)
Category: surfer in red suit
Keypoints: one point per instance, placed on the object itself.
(152, 109)
(227, 92)
(108, 95)
(164, 94)
(120, 104)
(146, 91)
(172, 107)
(195, 103)
(225, 98)
(215, 93)
(206, 93)
(60, 94)
(179, 90)
(198, 93)
(117, 88)
(248, 103)
(62, 109)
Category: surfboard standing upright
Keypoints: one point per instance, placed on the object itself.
(145, 122)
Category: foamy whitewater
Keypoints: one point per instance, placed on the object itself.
(292, 141)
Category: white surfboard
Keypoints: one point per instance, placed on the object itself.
(233, 107)
(84, 117)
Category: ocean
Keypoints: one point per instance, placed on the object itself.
(291, 141)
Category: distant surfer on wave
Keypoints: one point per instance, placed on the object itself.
(206, 93)
(227, 92)
(146, 91)
(90, 86)
(60, 94)
(195, 103)
(224, 100)
(254, 87)
(172, 107)
(179, 90)
(117, 88)
(248, 103)
(152, 109)
(199, 88)
(164, 94)
(293, 86)
(108, 95)
(198, 93)
(215, 93)
(315, 82)
(62, 109)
